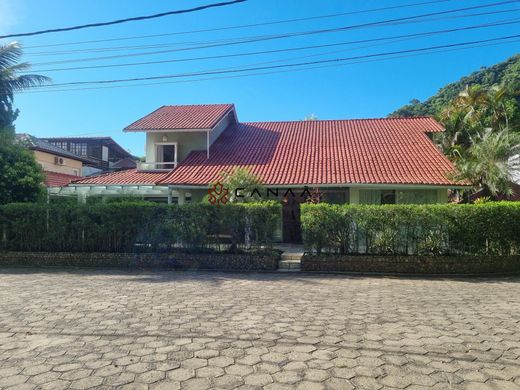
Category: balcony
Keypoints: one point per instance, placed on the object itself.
(156, 166)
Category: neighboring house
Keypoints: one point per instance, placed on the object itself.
(60, 166)
(102, 153)
(368, 161)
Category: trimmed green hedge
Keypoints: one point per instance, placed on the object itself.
(490, 228)
(136, 227)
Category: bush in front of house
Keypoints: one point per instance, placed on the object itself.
(137, 227)
(484, 229)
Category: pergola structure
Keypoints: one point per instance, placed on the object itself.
(83, 191)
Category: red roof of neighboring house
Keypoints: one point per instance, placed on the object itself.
(129, 176)
(364, 151)
(55, 179)
(203, 116)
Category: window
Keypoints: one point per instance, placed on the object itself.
(75, 172)
(369, 196)
(388, 197)
(418, 196)
(104, 153)
(79, 148)
(60, 144)
(336, 197)
(166, 153)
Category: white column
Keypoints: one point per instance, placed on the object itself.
(170, 196)
(442, 195)
(82, 197)
(207, 144)
(182, 197)
(353, 196)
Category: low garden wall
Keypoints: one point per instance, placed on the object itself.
(178, 261)
(445, 265)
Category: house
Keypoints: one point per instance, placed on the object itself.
(59, 166)
(368, 161)
(102, 153)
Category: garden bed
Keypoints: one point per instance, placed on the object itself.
(261, 261)
(412, 264)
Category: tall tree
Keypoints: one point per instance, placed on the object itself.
(21, 177)
(12, 81)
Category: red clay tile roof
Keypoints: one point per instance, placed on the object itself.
(55, 179)
(203, 116)
(375, 151)
(129, 176)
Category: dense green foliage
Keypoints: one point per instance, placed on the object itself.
(21, 178)
(243, 183)
(490, 228)
(135, 226)
(481, 115)
(505, 73)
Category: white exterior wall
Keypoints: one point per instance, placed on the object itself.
(187, 140)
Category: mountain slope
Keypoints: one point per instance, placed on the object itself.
(503, 73)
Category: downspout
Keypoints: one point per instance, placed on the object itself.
(207, 144)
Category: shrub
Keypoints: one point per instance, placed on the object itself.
(489, 228)
(134, 226)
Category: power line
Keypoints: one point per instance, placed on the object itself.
(214, 72)
(272, 72)
(245, 25)
(410, 19)
(429, 33)
(254, 38)
(119, 21)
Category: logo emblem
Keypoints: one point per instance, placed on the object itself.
(218, 194)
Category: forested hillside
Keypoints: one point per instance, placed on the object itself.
(505, 73)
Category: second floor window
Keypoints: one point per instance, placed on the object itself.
(62, 145)
(79, 148)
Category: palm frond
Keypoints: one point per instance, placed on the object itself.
(28, 81)
(10, 54)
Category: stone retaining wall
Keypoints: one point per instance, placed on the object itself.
(412, 264)
(179, 261)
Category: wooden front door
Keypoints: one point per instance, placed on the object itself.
(292, 229)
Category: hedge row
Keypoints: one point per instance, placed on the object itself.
(491, 228)
(136, 227)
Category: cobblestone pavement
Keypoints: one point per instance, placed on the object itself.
(165, 330)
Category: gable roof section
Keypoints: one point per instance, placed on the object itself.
(126, 177)
(56, 179)
(34, 143)
(107, 141)
(200, 117)
(361, 151)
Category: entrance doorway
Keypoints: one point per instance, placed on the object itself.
(291, 223)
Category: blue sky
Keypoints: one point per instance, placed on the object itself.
(366, 89)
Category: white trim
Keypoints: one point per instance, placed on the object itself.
(350, 185)
(169, 131)
(163, 144)
(207, 145)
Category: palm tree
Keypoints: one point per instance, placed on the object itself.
(497, 97)
(11, 81)
(487, 162)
